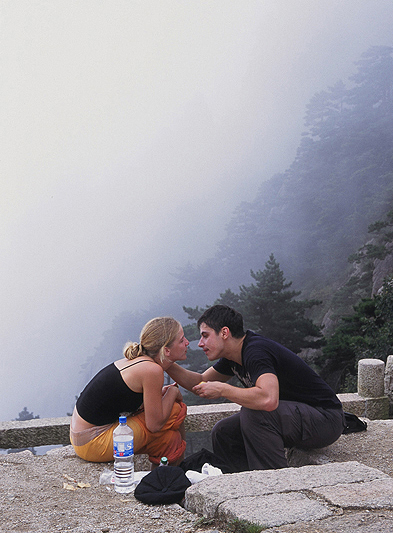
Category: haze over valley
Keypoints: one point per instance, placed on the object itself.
(131, 133)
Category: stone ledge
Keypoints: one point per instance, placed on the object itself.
(36, 432)
(204, 417)
(371, 408)
(53, 431)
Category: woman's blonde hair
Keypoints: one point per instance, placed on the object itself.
(157, 334)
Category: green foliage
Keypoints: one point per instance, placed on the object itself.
(269, 308)
(358, 286)
(230, 526)
(379, 249)
(244, 526)
(367, 333)
(230, 298)
(190, 330)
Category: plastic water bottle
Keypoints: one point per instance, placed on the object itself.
(164, 461)
(123, 453)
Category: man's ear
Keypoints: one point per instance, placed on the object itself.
(225, 332)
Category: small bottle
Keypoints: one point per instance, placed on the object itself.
(123, 454)
(164, 461)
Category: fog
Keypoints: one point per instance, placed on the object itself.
(130, 131)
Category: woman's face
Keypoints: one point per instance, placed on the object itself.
(177, 351)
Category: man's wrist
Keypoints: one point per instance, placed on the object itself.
(223, 390)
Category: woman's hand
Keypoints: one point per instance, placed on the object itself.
(165, 389)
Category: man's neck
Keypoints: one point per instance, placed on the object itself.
(234, 350)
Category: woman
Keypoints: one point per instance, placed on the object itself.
(123, 386)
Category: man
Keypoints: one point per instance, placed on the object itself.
(284, 402)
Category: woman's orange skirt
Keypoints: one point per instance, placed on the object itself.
(167, 442)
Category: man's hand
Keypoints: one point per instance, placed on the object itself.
(211, 389)
(263, 396)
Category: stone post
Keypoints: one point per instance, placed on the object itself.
(371, 378)
(389, 381)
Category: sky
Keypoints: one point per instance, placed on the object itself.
(130, 131)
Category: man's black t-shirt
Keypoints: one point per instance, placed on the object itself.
(297, 381)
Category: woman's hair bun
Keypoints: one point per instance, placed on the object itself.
(132, 350)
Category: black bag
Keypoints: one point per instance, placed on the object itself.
(353, 424)
(163, 485)
(198, 459)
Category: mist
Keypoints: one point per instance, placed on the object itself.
(130, 131)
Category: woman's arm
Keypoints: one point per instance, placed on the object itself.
(157, 406)
(188, 379)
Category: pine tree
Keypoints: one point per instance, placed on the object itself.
(25, 415)
(270, 309)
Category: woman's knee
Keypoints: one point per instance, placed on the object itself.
(169, 444)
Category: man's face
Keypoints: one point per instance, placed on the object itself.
(211, 342)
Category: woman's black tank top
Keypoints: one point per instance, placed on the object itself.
(107, 396)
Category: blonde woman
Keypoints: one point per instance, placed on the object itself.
(133, 385)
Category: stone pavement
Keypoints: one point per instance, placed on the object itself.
(307, 498)
(345, 488)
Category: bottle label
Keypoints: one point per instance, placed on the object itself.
(123, 449)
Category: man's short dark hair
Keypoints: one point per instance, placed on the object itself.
(219, 316)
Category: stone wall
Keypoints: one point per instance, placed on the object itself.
(375, 394)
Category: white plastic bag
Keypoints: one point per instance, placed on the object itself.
(207, 471)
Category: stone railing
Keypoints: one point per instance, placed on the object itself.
(375, 385)
(375, 391)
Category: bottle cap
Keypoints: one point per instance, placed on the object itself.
(122, 419)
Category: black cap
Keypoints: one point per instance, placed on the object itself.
(162, 486)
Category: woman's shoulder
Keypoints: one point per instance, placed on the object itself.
(141, 361)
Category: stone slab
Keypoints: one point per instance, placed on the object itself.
(377, 494)
(277, 497)
(275, 509)
(364, 521)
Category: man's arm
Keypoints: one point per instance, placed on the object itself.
(188, 379)
(263, 397)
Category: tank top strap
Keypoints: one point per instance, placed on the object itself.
(136, 362)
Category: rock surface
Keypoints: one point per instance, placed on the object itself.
(33, 498)
(280, 497)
